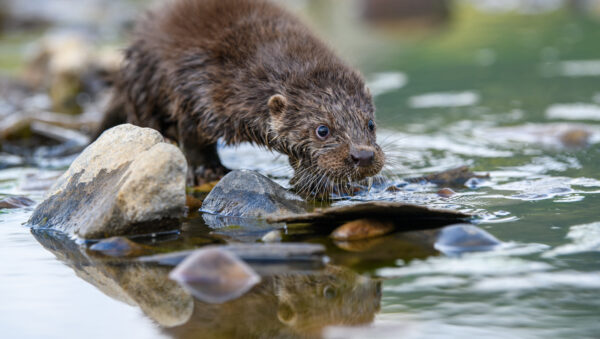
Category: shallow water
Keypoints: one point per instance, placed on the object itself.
(493, 89)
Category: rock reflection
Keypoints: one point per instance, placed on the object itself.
(291, 303)
(131, 282)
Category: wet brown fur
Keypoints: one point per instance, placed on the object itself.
(247, 71)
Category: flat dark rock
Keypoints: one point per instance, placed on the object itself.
(379, 210)
(277, 252)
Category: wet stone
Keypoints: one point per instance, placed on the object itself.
(119, 247)
(256, 253)
(456, 177)
(404, 216)
(215, 275)
(575, 138)
(127, 182)
(460, 238)
(393, 188)
(362, 229)
(446, 192)
(244, 193)
(15, 202)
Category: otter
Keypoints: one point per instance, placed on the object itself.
(200, 71)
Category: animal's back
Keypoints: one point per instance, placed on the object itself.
(217, 61)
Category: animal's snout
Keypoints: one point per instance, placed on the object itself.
(362, 158)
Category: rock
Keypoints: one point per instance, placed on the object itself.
(16, 202)
(575, 138)
(362, 229)
(244, 193)
(214, 275)
(446, 192)
(393, 188)
(460, 238)
(119, 247)
(275, 252)
(404, 216)
(127, 182)
(456, 177)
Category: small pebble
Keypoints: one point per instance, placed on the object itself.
(393, 188)
(446, 192)
(575, 138)
(362, 229)
(119, 247)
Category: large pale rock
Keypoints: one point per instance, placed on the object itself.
(127, 182)
(249, 194)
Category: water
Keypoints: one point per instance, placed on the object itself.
(497, 88)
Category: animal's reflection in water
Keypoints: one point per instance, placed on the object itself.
(292, 304)
(289, 305)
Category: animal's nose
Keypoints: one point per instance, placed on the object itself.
(362, 158)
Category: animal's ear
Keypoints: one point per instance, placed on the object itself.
(277, 105)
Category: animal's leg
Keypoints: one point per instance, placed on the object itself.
(203, 160)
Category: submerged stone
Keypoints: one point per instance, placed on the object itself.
(253, 252)
(119, 247)
(446, 192)
(215, 275)
(15, 202)
(460, 238)
(244, 193)
(362, 229)
(127, 182)
(456, 177)
(575, 138)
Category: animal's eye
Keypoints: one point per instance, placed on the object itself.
(322, 132)
(371, 125)
(329, 292)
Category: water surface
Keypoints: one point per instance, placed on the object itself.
(497, 89)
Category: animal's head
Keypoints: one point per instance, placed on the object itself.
(335, 296)
(326, 125)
